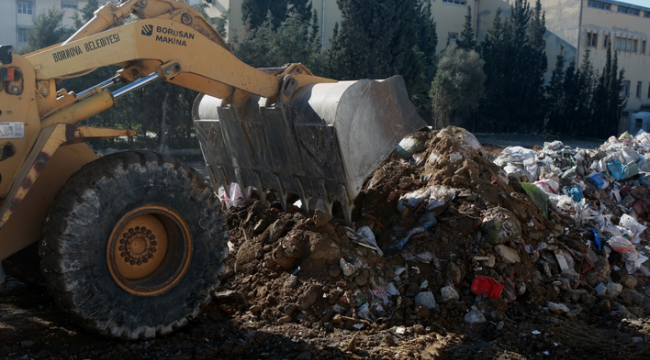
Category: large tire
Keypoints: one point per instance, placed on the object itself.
(83, 256)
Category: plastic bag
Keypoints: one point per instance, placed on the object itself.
(486, 286)
(427, 221)
(400, 244)
(515, 155)
(553, 145)
(620, 171)
(500, 225)
(440, 196)
(236, 196)
(595, 179)
(434, 196)
(634, 226)
(539, 197)
(364, 237)
(576, 194)
(633, 261)
(620, 244)
(597, 242)
(548, 186)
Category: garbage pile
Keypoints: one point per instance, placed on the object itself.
(443, 233)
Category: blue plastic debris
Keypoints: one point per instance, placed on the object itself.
(599, 244)
(576, 194)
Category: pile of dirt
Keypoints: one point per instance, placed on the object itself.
(444, 239)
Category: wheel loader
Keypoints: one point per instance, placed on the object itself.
(131, 245)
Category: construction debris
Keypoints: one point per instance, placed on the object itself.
(442, 232)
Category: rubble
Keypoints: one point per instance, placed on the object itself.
(442, 232)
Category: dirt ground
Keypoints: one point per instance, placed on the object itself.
(284, 295)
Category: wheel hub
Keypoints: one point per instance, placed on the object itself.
(138, 245)
(149, 250)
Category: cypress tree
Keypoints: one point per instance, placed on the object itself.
(515, 63)
(314, 31)
(538, 65)
(467, 40)
(378, 39)
(570, 89)
(302, 7)
(584, 94)
(493, 51)
(255, 12)
(556, 94)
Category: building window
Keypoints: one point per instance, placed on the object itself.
(605, 41)
(623, 44)
(620, 43)
(638, 89)
(649, 91)
(25, 7)
(626, 88)
(592, 40)
(638, 123)
(22, 35)
(453, 36)
(646, 14)
(598, 5)
(456, 2)
(627, 10)
(68, 5)
(643, 47)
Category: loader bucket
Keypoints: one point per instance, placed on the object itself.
(321, 144)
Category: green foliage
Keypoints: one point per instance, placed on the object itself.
(557, 94)
(220, 24)
(256, 12)
(85, 14)
(457, 88)
(515, 63)
(608, 99)
(295, 40)
(467, 40)
(381, 38)
(48, 30)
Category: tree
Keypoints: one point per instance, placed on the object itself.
(515, 63)
(220, 24)
(314, 31)
(86, 13)
(585, 82)
(291, 42)
(556, 94)
(48, 30)
(467, 40)
(379, 39)
(426, 54)
(255, 12)
(458, 85)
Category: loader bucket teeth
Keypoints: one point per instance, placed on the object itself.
(321, 143)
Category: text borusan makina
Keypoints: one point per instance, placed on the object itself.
(175, 37)
(89, 46)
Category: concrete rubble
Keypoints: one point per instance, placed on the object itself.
(449, 232)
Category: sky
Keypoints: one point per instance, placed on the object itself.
(637, 2)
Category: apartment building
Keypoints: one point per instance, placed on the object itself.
(449, 16)
(580, 24)
(574, 24)
(17, 17)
